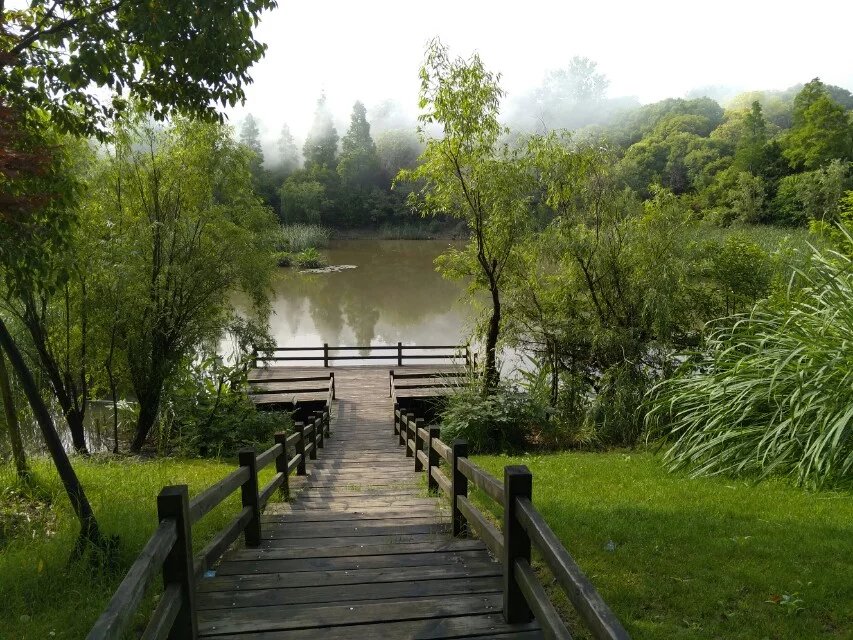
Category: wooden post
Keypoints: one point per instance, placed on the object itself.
(249, 492)
(174, 502)
(390, 383)
(467, 356)
(419, 444)
(399, 354)
(460, 486)
(327, 417)
(396, 419)
(410, 421)
(312, 438)
(403, 417)
(281, 463)
(299, 428)
(321, 422)
(432, 457)
(518, 483)
(325, 354)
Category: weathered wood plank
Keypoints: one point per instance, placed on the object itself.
(344, 593)
(218, 621)
(473, 627)
(477, 567)
(355, 562)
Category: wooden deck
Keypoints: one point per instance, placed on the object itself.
(361, 550)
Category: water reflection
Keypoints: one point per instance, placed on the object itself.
(393, 295)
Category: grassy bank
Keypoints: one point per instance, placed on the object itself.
(699, 558)
(42, 595)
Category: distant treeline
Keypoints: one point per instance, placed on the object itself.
(777, 157)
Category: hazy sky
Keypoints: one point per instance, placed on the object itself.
(371, 50)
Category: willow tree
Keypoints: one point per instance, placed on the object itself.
(193, 232)
(467, 174)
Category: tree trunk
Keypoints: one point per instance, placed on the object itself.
(89, 531)
(18, 454)
(75, 419)
(491, 373)
(148, 409)
(555, 373)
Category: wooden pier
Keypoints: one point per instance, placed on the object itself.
(368, 544)
(361, 551)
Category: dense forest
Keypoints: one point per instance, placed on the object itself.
(769, 157)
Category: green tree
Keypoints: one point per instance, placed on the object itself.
(749, 154)
(821, 129)
(321, 144)
(37, 189)
(358, 165)
(466, 175)
(200, 233)
(250, 136)
(173, 57)
(289, 152)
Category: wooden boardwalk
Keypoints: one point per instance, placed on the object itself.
(361, 550)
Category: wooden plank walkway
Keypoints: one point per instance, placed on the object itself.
(361, 551)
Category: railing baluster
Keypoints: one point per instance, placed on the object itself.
(396, 418)
(174, 502)
(403, 427)
(410, 420)
(459, 485)
(281, 463)
(419, 444)
(312, 436)
(399, 354)
(518, 483)
(432, 457)
(325, 354)
(320, 422)
(249, 492)
(299, 428)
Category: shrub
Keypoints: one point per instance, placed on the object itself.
(209, 413)
(770, 393)
(284, 259)
(502, 422)
(310, 259)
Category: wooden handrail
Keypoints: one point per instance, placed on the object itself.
(165, 614)
(580, 591)
(210, 498)
(169, 548)
(400, 352)
(127, 598)
(523, 590)
(540, 604)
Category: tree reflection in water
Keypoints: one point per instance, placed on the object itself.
(394, 294)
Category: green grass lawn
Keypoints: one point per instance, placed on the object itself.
(699, 558)
(42, 596)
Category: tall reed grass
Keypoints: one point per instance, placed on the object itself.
(296, 238)
(772, 393)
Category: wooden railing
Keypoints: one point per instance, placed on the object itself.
(401, 352)
(424, 381)
(522, 528)
(292, 386)
(169, 549)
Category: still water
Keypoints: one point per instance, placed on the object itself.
(393, 294)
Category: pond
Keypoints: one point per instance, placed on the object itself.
(393, 294)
